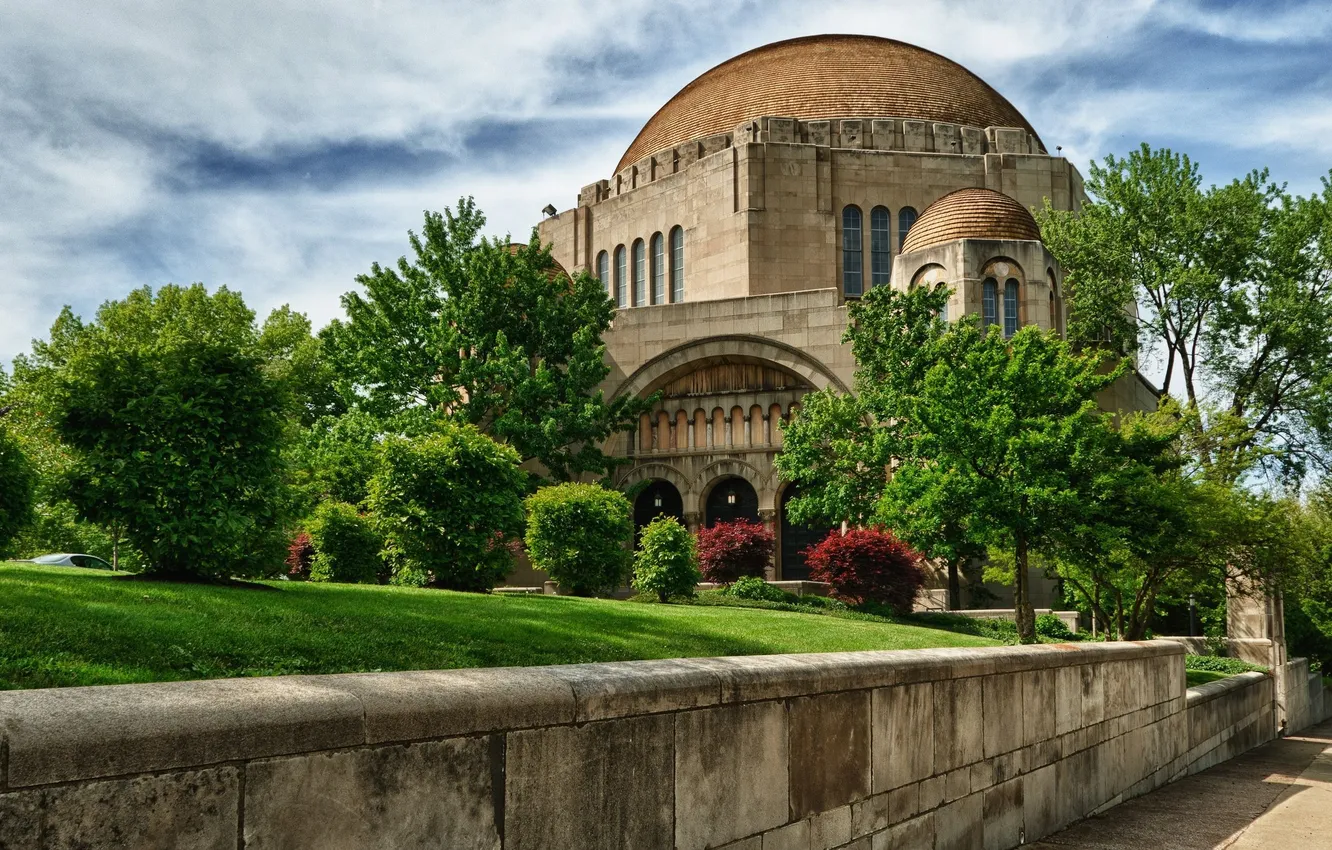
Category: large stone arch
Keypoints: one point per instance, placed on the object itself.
(683, 358)
(720, 470)
(631, 475)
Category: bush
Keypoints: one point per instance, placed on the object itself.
(1217, 664)
(17, 482)
(579, 534)
(346, 547)
(730, 550)
(299, 553)
(667, 560)
(1050, 626)
(448, 503)
(867, 565)
(752, 587)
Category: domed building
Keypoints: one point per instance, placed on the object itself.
(760, 200)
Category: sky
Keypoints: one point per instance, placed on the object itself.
(280, 147)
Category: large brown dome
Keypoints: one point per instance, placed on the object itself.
(971, 214)
(825, 76)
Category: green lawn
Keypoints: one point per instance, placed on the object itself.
(65, 626)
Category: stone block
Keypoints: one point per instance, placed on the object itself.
(793, 836)
(417, 795)
(1003, 815)
(958, 718)
(830, 829)
(871, 814)
(1093, 693)
(1068, 699)
(931, 793)
(190, 810)
(904, 802)
(901, 754)
(957, 784)
(1040, 803)
(830, 751)
(731, 773)
(1039, 706)
(603, 785)
(1003, 713)
(960, 825)
(604, 691)
(915, 834)
(61, 734)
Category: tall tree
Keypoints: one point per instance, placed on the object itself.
(488, 335)
(1233, 286)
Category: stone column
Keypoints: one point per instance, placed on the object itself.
(693, 521)
(727, 425)
(691, 444)
(768, 517)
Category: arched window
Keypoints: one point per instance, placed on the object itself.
(881, 247)
(658, 269)
(640, 274)
(853, 261)
(906, 217)
(603, 272)
(1010, 307)
(990, 302)
(677, 264)
(621, 296)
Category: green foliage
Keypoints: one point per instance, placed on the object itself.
(1229, 666)
(753, 587)
(346, 545)
(450, 505)
(174, 429)
(336, 457)
(17, 483)
(579, 534)
(1050, 626)
(495, 337)
(666, 562)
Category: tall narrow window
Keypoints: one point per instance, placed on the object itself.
(603, 272)
(658, 269)
(1010, 307)
(881, 247)
(906, 217)
(640, 274)
(943, 311)
(853, 261)
(621, 295)
(989, 302)
(677, 264)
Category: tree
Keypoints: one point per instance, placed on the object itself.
(17, 482)
(580, 535)
(450, 504)
(667, 560)
(174, 430)
(868, 565)
(488, 335)
(1234, 284)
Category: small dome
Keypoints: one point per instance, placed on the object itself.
(825, 76)
(971, 214)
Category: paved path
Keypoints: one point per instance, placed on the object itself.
(1276, 796)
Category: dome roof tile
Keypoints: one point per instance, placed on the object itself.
(971, 214)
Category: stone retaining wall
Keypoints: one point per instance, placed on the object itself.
(945, 748)
(1228, 717)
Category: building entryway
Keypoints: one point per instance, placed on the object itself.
(795, 540)
(731, 499)
(659, 498)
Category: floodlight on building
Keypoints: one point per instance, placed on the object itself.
(549, 210)
(730, 497)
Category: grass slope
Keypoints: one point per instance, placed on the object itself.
(62, 626)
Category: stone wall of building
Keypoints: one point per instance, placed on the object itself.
(946, 748)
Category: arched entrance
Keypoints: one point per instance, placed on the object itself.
(659, 498)
(731, 499)
(795, 539)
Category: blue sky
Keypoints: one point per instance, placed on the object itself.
(279, 147)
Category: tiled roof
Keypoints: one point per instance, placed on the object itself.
(825, 76)
(971, 214)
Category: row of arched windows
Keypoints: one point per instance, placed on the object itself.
(654, 270)
(881, 246)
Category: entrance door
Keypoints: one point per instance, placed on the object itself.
(795, 539)
(660, 498)
(732, 499)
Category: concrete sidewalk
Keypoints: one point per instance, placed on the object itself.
(1276, 796)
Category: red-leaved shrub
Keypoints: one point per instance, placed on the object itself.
(729, 550)
(867, 565)
(299, 554)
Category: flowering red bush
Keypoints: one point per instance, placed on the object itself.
(299, 554)
(729, 550)
(867, 565)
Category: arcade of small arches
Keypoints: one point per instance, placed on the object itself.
(651, 273)
(737, 428)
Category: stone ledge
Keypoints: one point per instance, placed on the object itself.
(1212, 690)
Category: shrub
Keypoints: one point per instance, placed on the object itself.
(579, 534)
(753, 587)
(346, 546)
(729, 550)
(17, 483)
(1216, 664)
(667, 560)
(867, 565)
(448, 503)
(299, 553)
(1050, 626)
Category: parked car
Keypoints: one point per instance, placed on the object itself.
(67, 560)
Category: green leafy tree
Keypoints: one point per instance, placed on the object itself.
(174, 429)
(346, 545)
(336, 457)
(488, 335)
(667, 561)
(1234, 288)
(17, 482)
(450, 504)
(580, 535)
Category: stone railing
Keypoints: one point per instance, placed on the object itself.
(939, 748)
